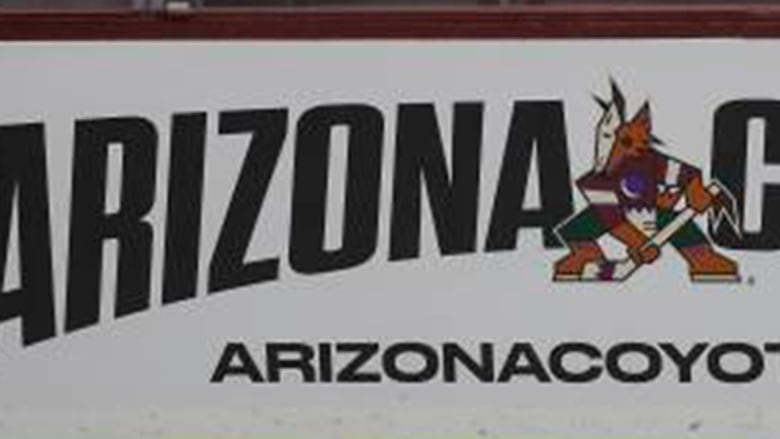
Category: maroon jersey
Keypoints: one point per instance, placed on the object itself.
(634, 185)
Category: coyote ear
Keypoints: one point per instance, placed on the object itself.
(643, 117)
(604, 105)
(618, 99)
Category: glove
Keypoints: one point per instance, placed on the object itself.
(697, 196)
(646, 254)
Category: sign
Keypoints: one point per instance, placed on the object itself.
(384, 225)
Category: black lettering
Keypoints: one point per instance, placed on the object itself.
(454, 199)
(326, 362)
(772, 348)
(684, 362)
(351, 372)
(482, 369)
(301, 360)
(729, 165)
(539, 126)
(185, 204)
(23, 173)
(751, 373)
(361, 210)
(651, 371)
(559, 370)
(533, 365)
(395, 372)
(91, 225)
(228, 269)
(246, 366)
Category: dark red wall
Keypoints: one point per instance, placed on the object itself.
(517, 22)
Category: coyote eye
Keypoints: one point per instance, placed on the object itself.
(626, 141)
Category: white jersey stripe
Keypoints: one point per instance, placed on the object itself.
(673, 172)
(601, 197)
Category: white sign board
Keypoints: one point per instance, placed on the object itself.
(380, 235)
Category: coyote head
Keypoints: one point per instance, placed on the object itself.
(616, 138)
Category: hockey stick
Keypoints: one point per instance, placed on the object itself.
(622, 269)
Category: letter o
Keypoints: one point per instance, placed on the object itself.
(394, 371)
(753, 372)
(650, 353)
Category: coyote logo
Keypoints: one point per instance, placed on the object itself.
(633, 193)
